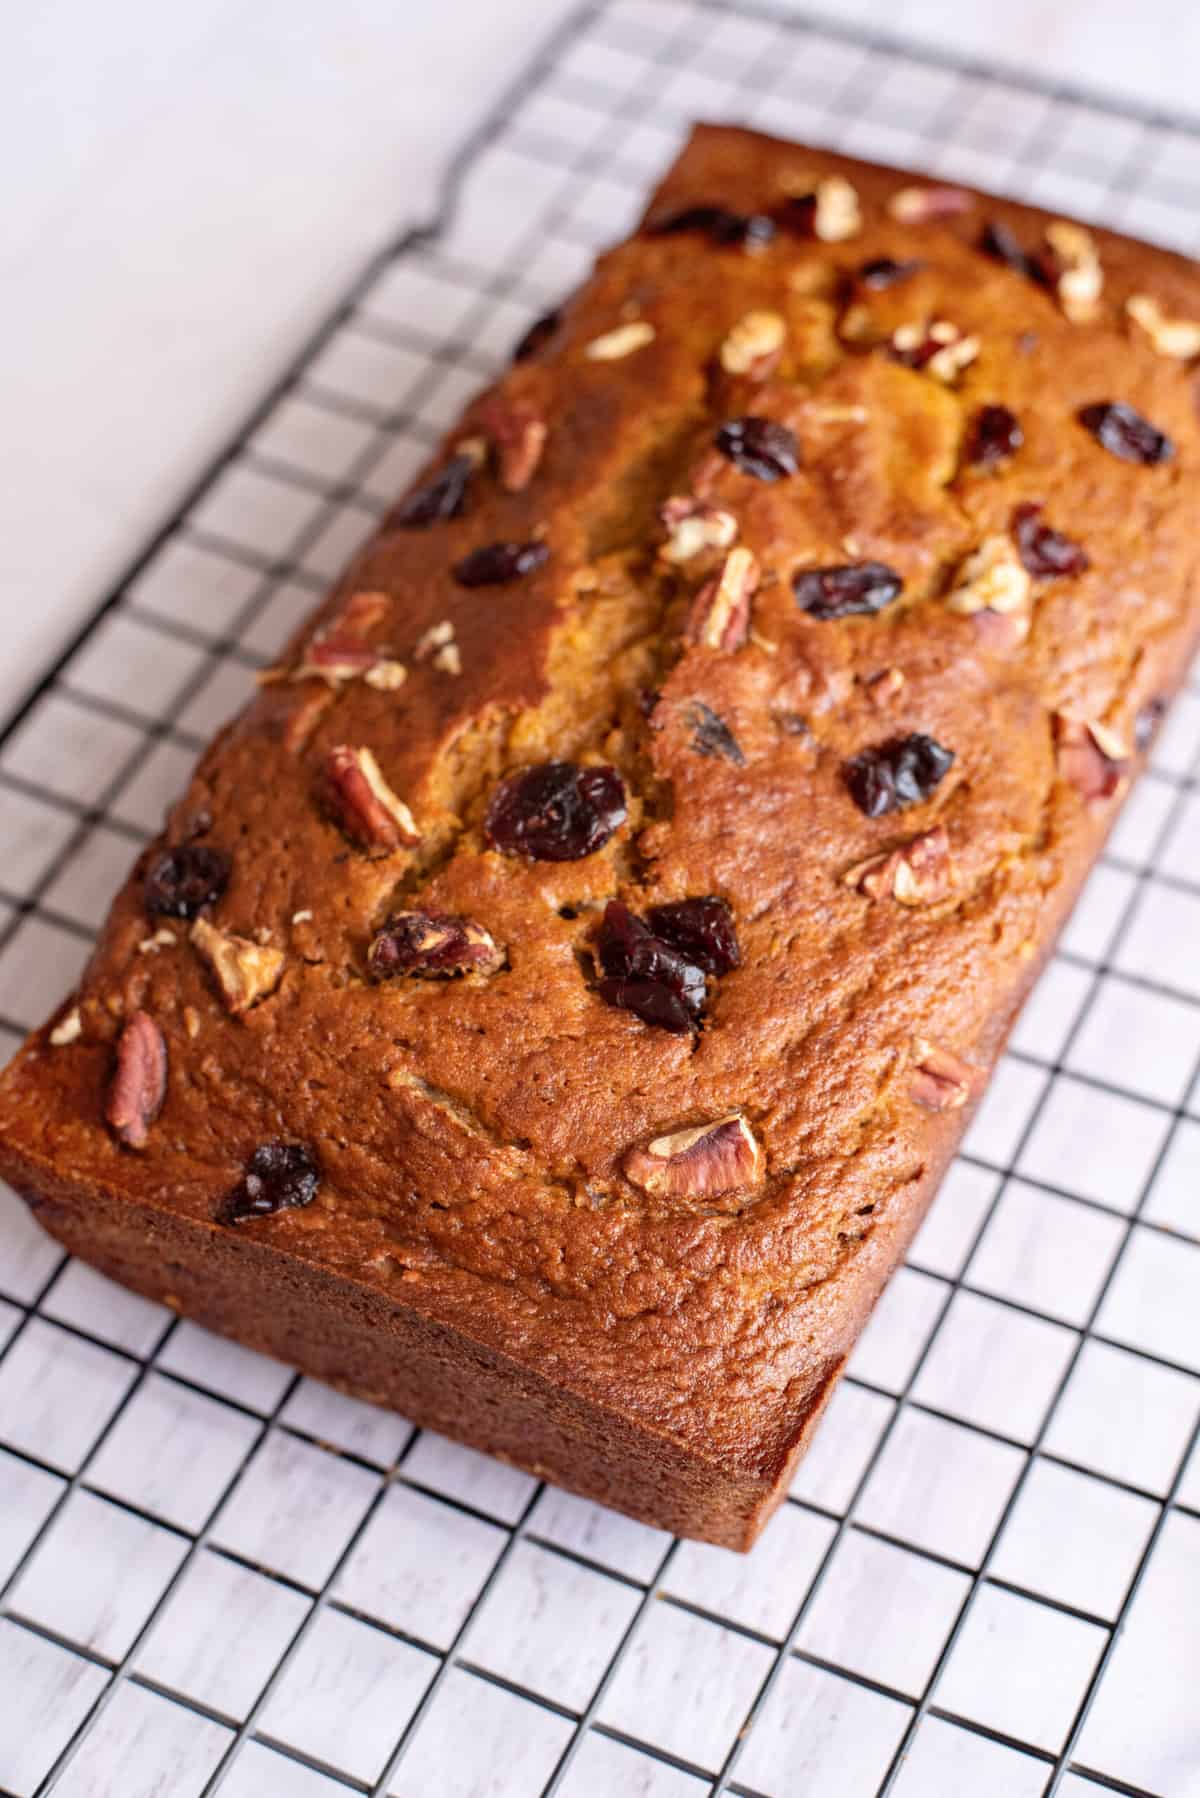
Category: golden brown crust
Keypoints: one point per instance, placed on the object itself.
(476, 1134)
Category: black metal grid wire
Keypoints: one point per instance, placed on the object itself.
(685, 35)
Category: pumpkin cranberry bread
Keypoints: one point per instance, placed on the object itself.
(574, 970)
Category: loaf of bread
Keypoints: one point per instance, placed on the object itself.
(573, 971)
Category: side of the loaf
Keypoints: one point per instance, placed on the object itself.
(579, 962)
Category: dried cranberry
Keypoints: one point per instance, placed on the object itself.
(896, 775)
(443, 495)
(1004, 245)
(1125, 433)
(719, 224)
(648, 1000)
(712, 736)
(759, 447)
(883, 272)
(995, 434)
(645, 975)
(555, 811)
(1145, 725)
(537, 337)
(846, 591)
(494, 564)
(701, 929)
(280, 1176)
(181, 882)
(1045, 552)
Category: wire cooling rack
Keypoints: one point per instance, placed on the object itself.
(217, 1575)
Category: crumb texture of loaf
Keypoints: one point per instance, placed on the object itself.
(829, 558)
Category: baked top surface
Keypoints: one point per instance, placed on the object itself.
(472, 1134)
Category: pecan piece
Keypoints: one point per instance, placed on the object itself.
(518, 433)
(994, 583)
(919, 205)
(720, 613)
(1178, 338)
(68, 1030)
(139, 1082)
(1072, 262)
(367, 809)
(432, 943)
(836, 211)
(614, 345)
(939, 349)
(940, 1080)
(244, 970)
(754, 345)
(361, 613)
(336, 660)
(919, 872)
(700, 1162)
(1091, 757)
(692, 527)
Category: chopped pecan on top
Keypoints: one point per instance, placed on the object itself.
(518, 432)
(364, 804)
(719, 617)
(939, 349)
(921, 205)
(340, 659)
(622, 341)
(68, 1030)
(754, 345)
(340, 651)
(1178, 338)
(1092, 757)
(829, 210)
(692, 527)
(919, 872)
(1072, 263)
(139, 1083)
(940, 1081)
(702, 1161)
(361, 613)
(994, 583)
(244, 970)
(437, 646)
(432, 944)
